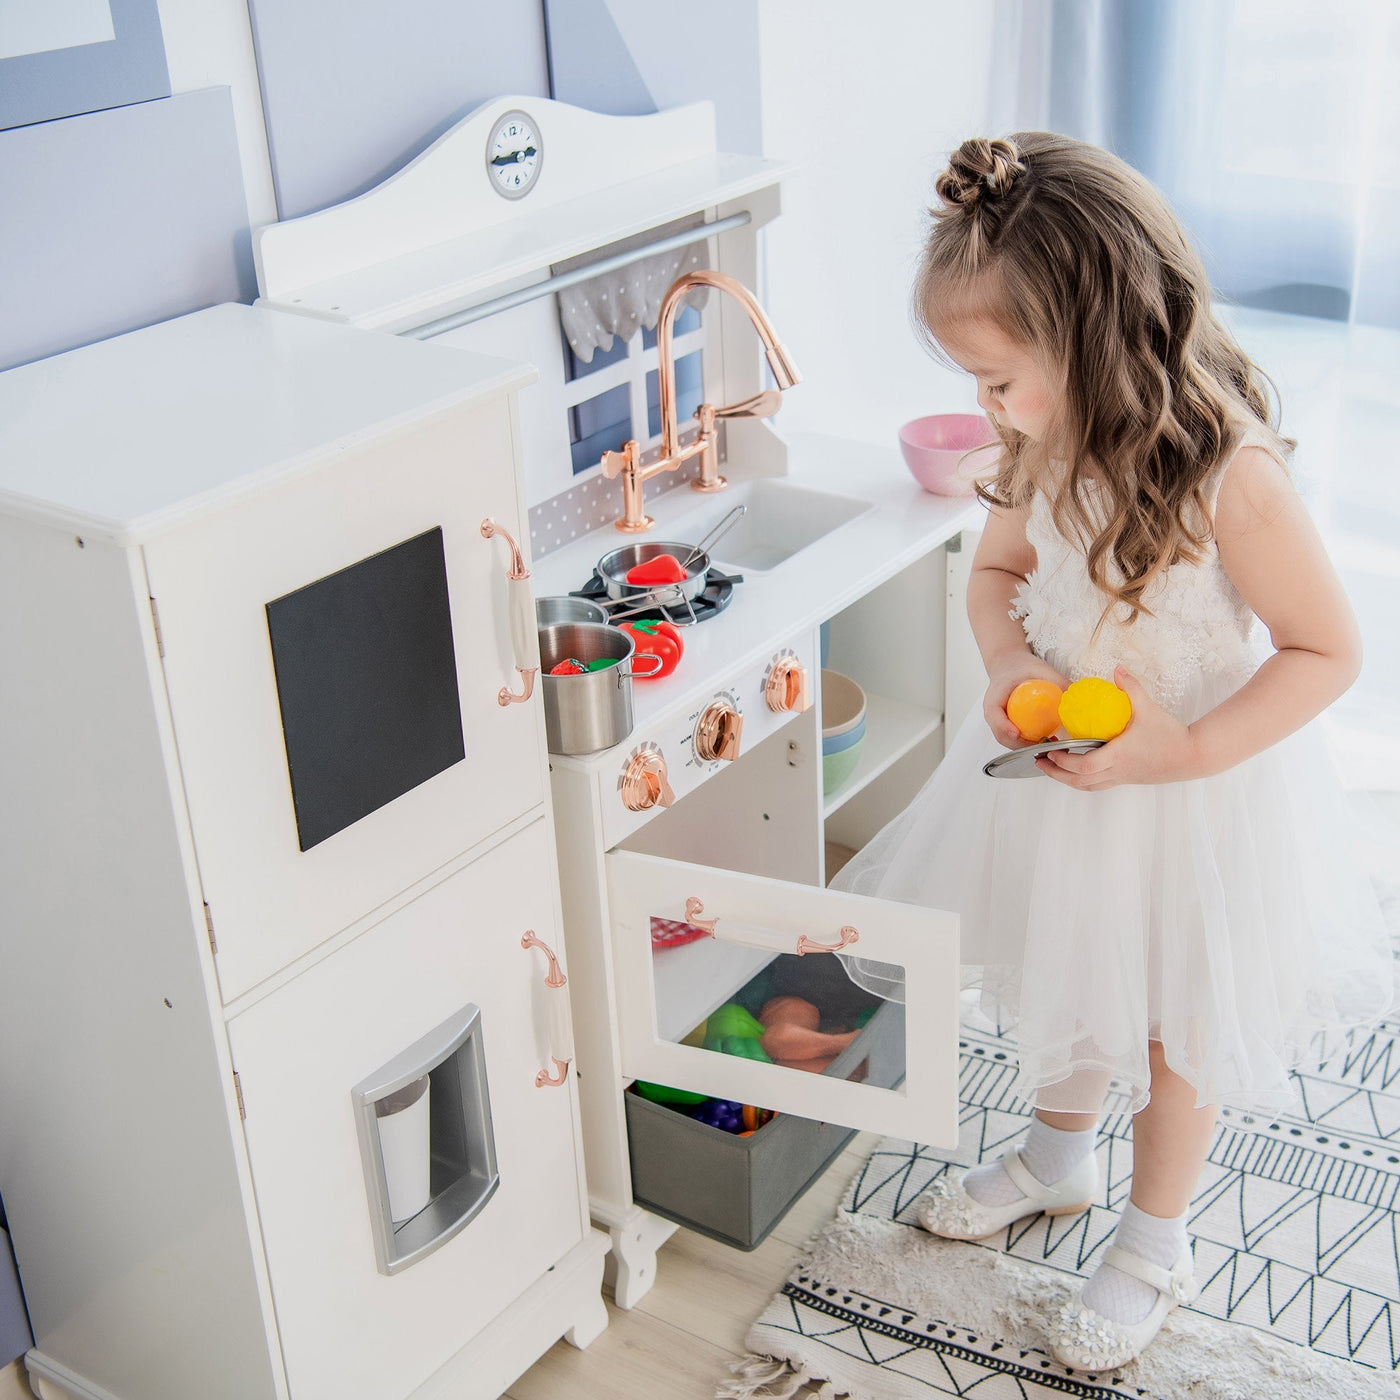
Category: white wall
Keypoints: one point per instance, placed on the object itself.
(870, 98)
(209, 43)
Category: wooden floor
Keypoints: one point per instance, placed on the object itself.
(679, 1340)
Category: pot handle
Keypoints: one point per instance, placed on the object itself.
(643, 675)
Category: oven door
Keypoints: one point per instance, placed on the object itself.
(712, 966)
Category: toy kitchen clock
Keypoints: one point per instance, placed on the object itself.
(514, 154)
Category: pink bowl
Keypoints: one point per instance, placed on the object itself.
(935, 450)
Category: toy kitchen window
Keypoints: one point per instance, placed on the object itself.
(616, 395)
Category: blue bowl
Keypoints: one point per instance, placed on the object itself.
(839, 743)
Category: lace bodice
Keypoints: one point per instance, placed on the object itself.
(1198, 624)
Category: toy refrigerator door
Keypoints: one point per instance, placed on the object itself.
(773, 938)
(334, 649)
(369, 1315)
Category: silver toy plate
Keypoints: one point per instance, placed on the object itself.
(1020, 763)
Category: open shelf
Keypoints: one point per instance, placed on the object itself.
(892, 729)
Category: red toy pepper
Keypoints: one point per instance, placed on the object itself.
(665, 568)
(659, 639)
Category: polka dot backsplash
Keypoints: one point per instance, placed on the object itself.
(589, 506)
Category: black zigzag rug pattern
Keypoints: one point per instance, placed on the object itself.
(1295, 1216)
(915, 1357)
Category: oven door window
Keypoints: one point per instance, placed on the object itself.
(735, 996)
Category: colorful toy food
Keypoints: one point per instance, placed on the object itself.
(664, 1093)
(721, 1113)
(1095, 709)
(741, 1119)
(659, 639)
(1034, 708)
(791, 1037)
(570, 666)
(733, 1031)
(665, 568)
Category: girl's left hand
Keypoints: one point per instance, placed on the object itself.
(1154, 748)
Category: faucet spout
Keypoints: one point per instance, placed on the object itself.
(785, 373)
(626, 462)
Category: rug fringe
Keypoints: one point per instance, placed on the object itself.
(770, 1378)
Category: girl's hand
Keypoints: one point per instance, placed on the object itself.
(1154, 748)
(1005, 679)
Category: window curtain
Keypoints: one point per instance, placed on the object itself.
(1273, 126)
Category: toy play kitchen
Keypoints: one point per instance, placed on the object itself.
(356, 991)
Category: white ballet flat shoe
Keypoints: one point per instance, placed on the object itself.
(946, 1209)
(1085, 1340)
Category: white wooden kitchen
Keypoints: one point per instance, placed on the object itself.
(331, 986)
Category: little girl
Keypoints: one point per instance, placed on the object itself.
(1177, 910)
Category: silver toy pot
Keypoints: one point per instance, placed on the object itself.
(591, 710)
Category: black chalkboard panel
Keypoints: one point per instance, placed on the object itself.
(367, 684)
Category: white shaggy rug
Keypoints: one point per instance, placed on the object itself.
(1297, 1242)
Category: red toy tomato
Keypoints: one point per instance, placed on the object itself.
(665, 568)
(659, 639)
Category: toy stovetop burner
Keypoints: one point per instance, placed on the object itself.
(716, 596)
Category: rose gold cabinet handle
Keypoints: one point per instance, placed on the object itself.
(555, 977)
(694, 908)
(561, 1073)
(561, 1051)
(489, 529)
(522, 618)
(805, 944)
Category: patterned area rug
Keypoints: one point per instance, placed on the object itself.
(1297, 1251)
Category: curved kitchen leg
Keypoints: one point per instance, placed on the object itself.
(631, 1267)
(592, 1322)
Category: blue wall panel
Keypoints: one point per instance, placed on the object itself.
(130, 67)
(119, 219)
(352, 93)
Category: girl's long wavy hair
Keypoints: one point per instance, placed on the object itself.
(1071, 252)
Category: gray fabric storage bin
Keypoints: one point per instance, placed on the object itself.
(736, 1189)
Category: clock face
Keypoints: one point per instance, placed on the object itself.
(514, 153)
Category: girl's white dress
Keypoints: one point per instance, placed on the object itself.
(1227, 917)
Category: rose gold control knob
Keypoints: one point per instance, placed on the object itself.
(786, 687)
(643, 782)
(717, 733)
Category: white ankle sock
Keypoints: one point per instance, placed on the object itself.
(1120, 1296)
(1049, 1154)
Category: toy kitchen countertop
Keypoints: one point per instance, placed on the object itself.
(884, 519)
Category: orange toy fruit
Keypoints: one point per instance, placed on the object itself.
(1095, 709)
(1034, 708)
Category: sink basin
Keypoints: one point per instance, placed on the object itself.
(782, 519)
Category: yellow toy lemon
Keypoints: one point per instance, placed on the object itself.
(1095, 709)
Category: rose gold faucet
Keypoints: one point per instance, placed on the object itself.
(627, 462)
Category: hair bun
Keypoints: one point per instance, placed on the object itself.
(979, 169)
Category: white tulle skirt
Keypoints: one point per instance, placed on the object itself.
(1228, 918)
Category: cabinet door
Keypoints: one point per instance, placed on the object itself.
(328, 774)
(349, 1331)
(772, 938)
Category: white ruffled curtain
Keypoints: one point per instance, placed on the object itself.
(1273, 127)
(618, 303)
